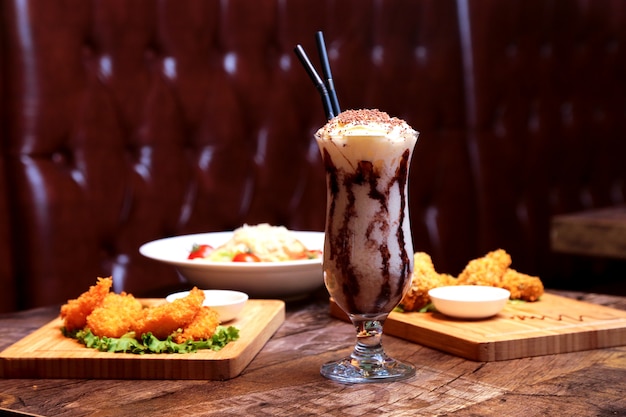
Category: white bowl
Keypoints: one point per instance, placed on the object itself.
(284, 280)
(228, 304)
(469, 301)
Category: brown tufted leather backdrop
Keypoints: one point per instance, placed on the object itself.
(8, 295)
(547, 123)
(124, 122)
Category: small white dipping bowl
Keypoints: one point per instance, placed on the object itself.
(469, 301)
(228, 304)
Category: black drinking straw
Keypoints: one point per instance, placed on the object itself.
(330, 85)
(317, 81)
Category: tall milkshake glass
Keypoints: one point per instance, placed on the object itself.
(368, 251)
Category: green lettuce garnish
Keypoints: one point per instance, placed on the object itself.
(128, 343)
(428, 308)
(222, 255)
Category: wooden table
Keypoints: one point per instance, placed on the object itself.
(599, 232)
(284, 379)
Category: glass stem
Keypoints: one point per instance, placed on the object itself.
(368, 361)
(368, 351)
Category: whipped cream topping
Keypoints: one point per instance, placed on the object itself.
(366, 122)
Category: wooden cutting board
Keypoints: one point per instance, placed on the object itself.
(552, 325)
(46, 353)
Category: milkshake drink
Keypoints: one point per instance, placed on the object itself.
(368, 251)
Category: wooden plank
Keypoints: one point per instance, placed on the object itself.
(552, 325)
(599, 232)
(46, 353)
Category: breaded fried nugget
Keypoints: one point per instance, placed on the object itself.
(115, 316)
(201, 327)
(522, 286)
(76, 311)
(425, 278)
(163, 320)
(487, 270)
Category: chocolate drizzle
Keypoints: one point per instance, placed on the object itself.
(402, 175)
(558, 317)
(340, 238)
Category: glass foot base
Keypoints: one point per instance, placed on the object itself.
(348, 370)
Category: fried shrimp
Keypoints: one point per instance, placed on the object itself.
(492, 270)
(425, 278)
(107, 314)
(164, 320)
(487, 270)
(115, 316)
(522, 286)
(201, 327)
(76, 311)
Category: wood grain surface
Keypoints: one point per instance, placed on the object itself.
(46, 353)
(284, 379)
(600, 232)
(552, 325)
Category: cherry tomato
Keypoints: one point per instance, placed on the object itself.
(200, 251)
(246, 257)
